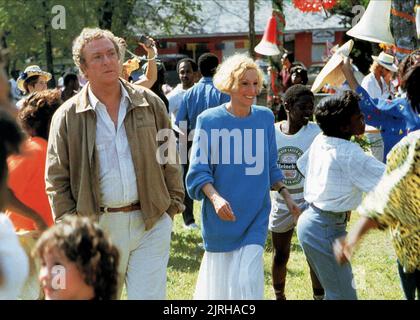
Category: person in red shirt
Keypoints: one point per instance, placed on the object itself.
(285, 75)
(27, 206)
(26, 170)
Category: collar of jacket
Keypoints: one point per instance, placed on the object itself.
(134, 92)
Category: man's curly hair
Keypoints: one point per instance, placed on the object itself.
(334, 112)
(37, 111)
(85, 243)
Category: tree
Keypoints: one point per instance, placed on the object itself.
(31, 39)
(165, 16)
(251, 4)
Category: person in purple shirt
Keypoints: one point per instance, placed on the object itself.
(202, 96)
(394, 118)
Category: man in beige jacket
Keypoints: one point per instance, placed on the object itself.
(102, 162)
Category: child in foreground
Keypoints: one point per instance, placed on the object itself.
(78, 261)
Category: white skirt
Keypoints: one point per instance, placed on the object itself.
(234, 275)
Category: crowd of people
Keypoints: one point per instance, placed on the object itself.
(89, 188)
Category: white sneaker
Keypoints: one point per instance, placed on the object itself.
(192, 226)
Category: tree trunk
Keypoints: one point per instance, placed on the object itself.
(3, 44)
(403, 26)
(251, 4)
(105, 14)
(48, 43)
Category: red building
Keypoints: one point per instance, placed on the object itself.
(224, 32)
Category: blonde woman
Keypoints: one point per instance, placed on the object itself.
(233, 166)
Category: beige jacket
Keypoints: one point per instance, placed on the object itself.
(72, 170)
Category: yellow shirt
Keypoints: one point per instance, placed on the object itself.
(395, 202)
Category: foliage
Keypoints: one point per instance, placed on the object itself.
(344, 8)
(362, 141)
(167, 16)
(22, 23)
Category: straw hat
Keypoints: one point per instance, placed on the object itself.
(331, 73)
(386, 61)
(30, 72)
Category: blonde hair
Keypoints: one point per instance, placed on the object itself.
(374, 66)
(87, 35)
(231, 71)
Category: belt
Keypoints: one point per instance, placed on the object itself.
(347, 213)
(131, 207)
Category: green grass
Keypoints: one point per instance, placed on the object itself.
(374, 266)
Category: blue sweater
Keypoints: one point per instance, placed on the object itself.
(395, 118)
(241, 164)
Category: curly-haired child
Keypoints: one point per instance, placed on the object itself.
(78, 261)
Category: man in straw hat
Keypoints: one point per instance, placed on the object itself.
(33, 79)
(378, 82)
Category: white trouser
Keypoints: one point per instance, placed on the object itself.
(234, 275)
(144, 254)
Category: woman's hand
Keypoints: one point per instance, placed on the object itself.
(347, 70)
(149, 49)
(293, 209)
(290, 203)
(222, 208)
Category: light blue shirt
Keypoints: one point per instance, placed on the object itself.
(203, 95)
(117, 177)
